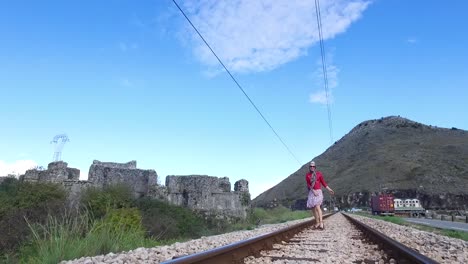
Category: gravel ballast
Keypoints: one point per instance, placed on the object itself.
(440, 248)
(163, 253)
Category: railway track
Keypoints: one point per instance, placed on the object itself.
(344, 240)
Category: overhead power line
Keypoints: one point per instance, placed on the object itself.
(324, 66)
(237, 83)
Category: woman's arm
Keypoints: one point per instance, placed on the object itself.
(322, 180)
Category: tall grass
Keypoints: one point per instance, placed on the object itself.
(80, 234)
(72, 237)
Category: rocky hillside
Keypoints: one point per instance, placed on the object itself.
(393, 154)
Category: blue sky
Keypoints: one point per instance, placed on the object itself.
(129, 80)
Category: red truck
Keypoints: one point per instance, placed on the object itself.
(382, 204)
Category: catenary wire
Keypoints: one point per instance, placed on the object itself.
(237, 83)
(324, 67)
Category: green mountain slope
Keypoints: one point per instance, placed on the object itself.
(394, 154)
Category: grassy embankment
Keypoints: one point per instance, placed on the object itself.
(37, 227)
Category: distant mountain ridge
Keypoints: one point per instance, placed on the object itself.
(393, 154)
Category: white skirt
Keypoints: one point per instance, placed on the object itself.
(314, 200)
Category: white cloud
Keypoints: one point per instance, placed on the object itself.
(318, 97)
(411, 40)
(255, 36)
(17, 167)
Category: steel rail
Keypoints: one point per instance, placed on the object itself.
(399, 251)
(236, 252)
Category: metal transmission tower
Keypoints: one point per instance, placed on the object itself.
(59, 141)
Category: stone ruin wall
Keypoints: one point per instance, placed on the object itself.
(75, 188)
(57, 172)
(129, 165)
(103, 174)
(206, 194)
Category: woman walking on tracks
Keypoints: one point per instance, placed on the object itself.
(314, 179)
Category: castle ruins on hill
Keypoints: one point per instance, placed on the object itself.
(204, 194)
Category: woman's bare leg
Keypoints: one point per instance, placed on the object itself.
(312, 210)
(317, 216)
(319, 213)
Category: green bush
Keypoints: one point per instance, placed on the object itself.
(165, 221)
(22, 195)
(100, 201)
(124, 218)
(20, 200)
(8, 193)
